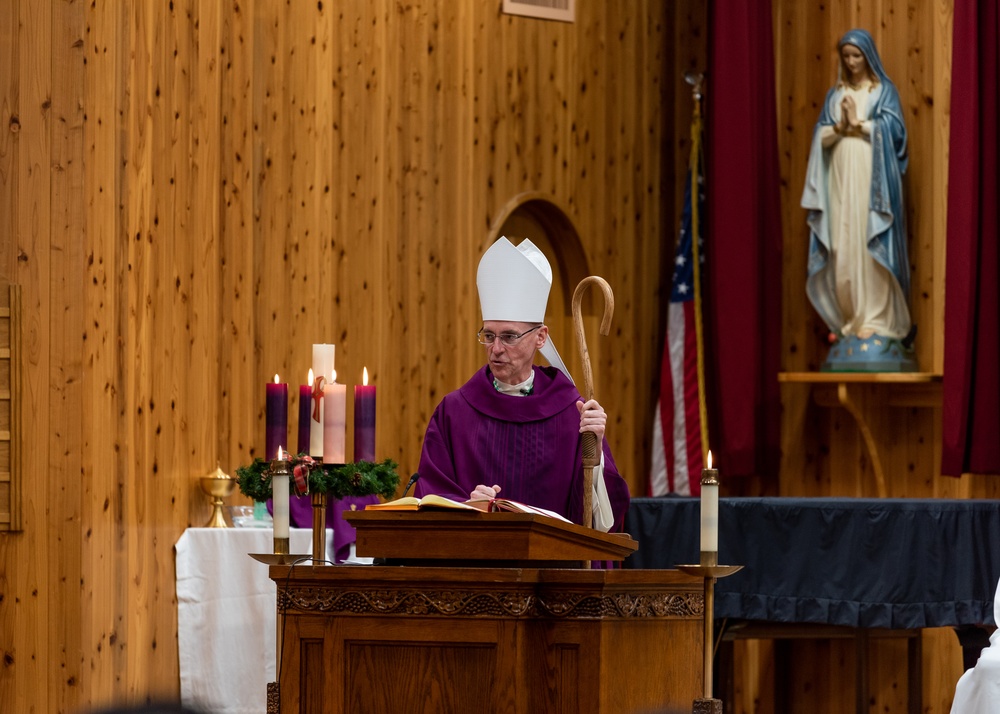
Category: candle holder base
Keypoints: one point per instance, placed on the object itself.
(710, 571)
(281, 558)
(281, 546)
(706, 706)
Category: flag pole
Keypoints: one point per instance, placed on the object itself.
(697, 82)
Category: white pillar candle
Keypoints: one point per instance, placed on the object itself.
(710, 508)
(279, 499)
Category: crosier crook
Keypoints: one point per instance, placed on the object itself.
(591, 449)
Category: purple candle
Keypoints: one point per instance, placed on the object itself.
(305, 414)
(276, 418)
(364, 421)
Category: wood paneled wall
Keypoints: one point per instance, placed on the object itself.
(193, 192)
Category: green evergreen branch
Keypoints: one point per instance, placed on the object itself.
(336, 480)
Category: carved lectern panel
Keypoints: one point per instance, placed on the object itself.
(459, 603)
(453, 676)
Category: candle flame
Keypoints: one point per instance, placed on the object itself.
(364, 378)
(280, 454)
(311, 378)
(275, 378)
(709, 458)
(333, 375)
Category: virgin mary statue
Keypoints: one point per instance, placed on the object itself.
(859, 273)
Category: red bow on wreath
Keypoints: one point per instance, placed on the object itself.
(300, 473)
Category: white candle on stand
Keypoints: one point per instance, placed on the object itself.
(709, 510)
(279, 498)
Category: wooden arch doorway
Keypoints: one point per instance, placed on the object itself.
(536, 216)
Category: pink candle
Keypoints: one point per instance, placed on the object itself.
(364, 420)
(334, 422)
(322, 356)
(305, 413)
(275, 418)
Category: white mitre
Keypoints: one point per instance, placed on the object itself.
(514, 284)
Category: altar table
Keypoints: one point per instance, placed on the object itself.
(860, 562)
(226, 616)
(823, 568)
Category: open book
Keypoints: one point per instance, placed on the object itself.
(505, 504)
(431, 501)
(412, 503)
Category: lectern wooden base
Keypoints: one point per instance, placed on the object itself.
(435, 640)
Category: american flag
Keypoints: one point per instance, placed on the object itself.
(679, 430)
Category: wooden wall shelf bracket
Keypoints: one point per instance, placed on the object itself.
(862, 392)
(10, 409)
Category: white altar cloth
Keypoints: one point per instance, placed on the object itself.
(226, 616)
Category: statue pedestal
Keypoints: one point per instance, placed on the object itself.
(874, 354)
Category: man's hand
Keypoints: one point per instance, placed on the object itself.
(592, 418)
(484, 493)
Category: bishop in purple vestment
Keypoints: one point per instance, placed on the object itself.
(529, 446)
(514, 429)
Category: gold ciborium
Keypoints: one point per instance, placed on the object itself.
(217, 485)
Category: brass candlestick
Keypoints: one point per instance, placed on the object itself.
(319, 528)
(217, 485)
(709, 570)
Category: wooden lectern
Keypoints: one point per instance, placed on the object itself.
(502, 633)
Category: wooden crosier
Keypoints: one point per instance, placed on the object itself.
(591, 449)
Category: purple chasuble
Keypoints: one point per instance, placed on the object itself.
(529, 446)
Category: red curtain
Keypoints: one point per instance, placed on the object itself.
(743, 240)
(971, 409)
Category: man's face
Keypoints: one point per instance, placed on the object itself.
(511, 364)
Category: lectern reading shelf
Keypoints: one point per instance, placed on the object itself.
(475, 538)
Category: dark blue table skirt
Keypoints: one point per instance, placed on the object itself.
(892, 563)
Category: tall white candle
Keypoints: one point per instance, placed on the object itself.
(323, 366)
(279, 499)
(334, 422)
(710, 508)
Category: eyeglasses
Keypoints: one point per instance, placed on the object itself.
(509, 339)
